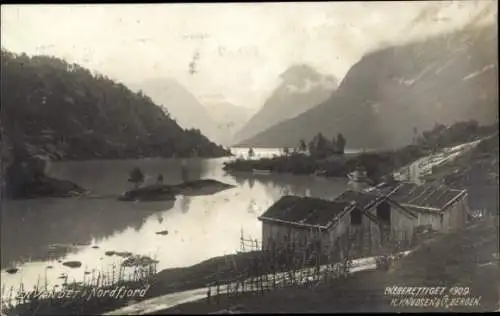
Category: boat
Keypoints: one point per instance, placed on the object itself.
(261, 171)
(319, 173)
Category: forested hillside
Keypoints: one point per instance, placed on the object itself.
(61, 110)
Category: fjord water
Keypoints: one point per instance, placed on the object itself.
(199, 227)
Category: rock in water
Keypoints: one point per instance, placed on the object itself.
(123, 254)
(72, 264)
(12, 270)
(138, 261)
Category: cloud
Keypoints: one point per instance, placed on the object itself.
(259, 41)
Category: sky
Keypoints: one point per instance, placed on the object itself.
(242, 48)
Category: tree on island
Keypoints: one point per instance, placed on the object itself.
(137, 177)
(340, 144)
(251, 152)
(334, 146)
(302, 146)
(319, 146)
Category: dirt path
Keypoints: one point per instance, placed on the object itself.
(171, 300)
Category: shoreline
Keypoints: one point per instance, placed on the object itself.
(174, 280)
(137, 158)
(379, 163)
(170, 282)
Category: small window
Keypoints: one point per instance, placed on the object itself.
(356, 217)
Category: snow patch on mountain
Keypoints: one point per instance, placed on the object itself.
(477, 73)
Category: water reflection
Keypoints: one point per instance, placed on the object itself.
(159, 218)
(28, 227)
(251, 182)
(184, 203)
(284, 184)
(199, 227)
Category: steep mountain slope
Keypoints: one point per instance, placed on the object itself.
(301, 88)
(391, 93)
(58, 109)
(229, 119)
(180, 103)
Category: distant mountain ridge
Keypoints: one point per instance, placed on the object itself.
(301, 88)
(229, 119)
(182, 105)
(393, 92)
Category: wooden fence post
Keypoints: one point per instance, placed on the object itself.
(208, 293)
(275, 283)
(261, 284)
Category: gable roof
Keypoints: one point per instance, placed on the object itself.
(306, 211)
(318, 213)
(363, 200)
(369, 199)
(425, 197)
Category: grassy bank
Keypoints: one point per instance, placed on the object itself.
(456, 259)
(223, 268)
(94, 295)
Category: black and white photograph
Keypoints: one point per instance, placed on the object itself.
(267, 157)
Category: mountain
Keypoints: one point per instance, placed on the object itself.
(180, 103)
(229, 119)
(61, 110)
(301, 88)
(394, 92)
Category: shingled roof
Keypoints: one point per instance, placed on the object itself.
(312, 212)
(306, 211)
(363, 200)
(367, 199)
(430, 197)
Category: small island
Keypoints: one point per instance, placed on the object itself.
(167, 192)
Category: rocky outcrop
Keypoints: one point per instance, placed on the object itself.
(23, 174)
(25, 178)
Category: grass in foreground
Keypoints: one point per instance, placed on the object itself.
(85, 297)
(456, 259)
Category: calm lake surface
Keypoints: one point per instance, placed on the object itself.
(199, 227)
